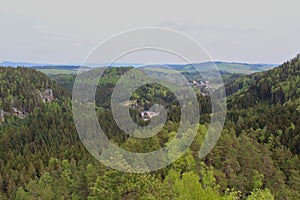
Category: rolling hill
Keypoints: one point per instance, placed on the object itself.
(225, 67)
(256, 157)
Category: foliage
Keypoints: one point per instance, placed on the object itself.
(256, 157)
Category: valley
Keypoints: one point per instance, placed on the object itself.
(256, 157)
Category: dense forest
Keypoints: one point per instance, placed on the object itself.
(256, 157)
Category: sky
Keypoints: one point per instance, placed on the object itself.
(64, 32)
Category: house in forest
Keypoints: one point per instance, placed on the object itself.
(147, 115)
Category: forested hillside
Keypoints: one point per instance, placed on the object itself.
(22, 88)
(257, 156)
(263, 117)
(269, 101)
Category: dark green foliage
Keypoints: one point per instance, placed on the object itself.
(262, 132)
(19, 88)
(269, 105)
(65, 81)
(257, 156)
(279, 85)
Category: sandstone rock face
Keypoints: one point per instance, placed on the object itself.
(1, 116)
(19, 113)
(48, 95)
(16, 112)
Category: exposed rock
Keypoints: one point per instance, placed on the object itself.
(19, 113)
(2, 116)
(131, 104)
(47, 96)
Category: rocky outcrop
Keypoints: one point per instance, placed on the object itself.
(19, 113)
(16, 112)
(47, 96)
(1, 116)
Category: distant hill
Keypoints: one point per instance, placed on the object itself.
(228, 67)
(47, 68)
(61, 69)
(225, 67)
(19, 64)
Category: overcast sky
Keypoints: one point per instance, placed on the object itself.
(256, 31)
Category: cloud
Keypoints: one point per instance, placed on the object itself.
(254, 31)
